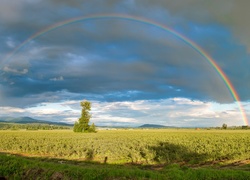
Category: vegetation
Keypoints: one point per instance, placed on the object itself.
(83, 123)
(16, 167)
(176, 154)
(132, 146)
(31, 126)
(224, 126)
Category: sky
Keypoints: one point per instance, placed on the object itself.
(132, 71)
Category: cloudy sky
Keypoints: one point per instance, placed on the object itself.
(133, 72)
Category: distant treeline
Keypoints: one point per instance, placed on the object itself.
(33, 126)
(229, 128)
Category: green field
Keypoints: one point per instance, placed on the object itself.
(138, 154)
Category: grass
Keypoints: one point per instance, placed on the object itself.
(17, 167)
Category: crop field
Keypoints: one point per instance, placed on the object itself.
(131, 146)
(157, 147)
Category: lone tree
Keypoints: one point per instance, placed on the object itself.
(224, 126)
(83, 122)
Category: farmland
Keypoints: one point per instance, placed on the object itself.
(153, 148)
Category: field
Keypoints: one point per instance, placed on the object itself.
(143, 154)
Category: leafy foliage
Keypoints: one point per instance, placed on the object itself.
(83, 123)
(224, 126)
(31, 126)
(92, 128)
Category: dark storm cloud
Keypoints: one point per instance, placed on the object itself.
(117, 60)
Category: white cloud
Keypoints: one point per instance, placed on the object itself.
(9, 110)
(174, 112)
(15, 71)
(170, 112)
(60, 78)
(10, 42)
(110, 118)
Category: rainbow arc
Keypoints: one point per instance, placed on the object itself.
(186, 40)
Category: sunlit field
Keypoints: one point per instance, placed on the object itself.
(131, 146)
(140, 148)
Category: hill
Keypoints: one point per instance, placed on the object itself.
(28, 120)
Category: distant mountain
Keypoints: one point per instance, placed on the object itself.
(28, 120)
(155, 126)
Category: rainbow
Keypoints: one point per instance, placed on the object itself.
(189, 42)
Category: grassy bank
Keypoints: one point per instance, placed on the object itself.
(16, 167)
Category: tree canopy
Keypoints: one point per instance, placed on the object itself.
(82, 125)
